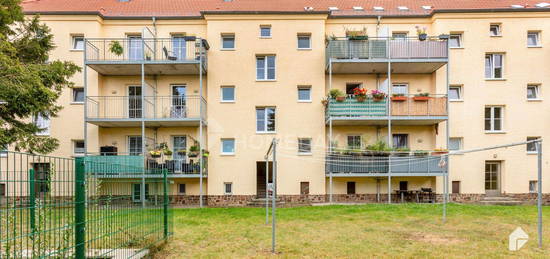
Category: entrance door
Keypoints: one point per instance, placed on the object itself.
(492, 178)
(134, 101)
(178, 102)
(260, 178)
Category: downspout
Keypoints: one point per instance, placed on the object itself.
(378, 19)
(155, 25)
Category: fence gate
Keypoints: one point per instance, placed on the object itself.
(63, 208)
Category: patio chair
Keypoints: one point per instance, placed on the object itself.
(169, 54)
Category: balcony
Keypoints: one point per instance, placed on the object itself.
(405, 110)
(402, 164)
(155, 111)
(407, 55)
(132, 166)
(124, 56)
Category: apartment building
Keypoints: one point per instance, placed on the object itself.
(201, 88)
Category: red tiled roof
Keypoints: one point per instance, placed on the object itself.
(190, 8)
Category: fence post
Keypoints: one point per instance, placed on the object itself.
(32, 199)
(80, 209)
(165, 187)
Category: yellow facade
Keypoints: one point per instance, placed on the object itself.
(307, 67)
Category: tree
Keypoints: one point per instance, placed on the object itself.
(30, 84)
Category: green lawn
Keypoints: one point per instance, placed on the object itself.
(363, 231)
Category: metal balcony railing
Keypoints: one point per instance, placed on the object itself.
(135, 50)
(148, 107)
(372, 164)
(386, 47)
(402, 106)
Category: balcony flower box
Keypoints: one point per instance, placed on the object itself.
(439, 152)
(399, 98)
(377, 95)
(421, 98)
(360, 94)
(155, 153)
(340, 98)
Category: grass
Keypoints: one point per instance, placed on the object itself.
(362, 231)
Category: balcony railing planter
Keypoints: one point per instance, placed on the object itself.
(194, 151)
(155, 153)
(398, 98)
(422, 35)
(377, 95)
(423, 97)
(439, 152)
(182, 152)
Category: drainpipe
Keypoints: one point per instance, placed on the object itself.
(155, 25)
(378, 19)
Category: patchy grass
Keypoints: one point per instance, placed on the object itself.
(362, 231)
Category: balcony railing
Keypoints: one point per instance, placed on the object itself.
(150, 107)
(403, 106)
(135, 50)
(375, 164)
(384, 48)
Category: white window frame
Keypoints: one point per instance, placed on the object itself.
(82, 152)
(493, 66)
(303, 35)
(492, 119)
(266, 120)
(225, 184)
(74, 40)
(459, 35)
(400, 85)
(73, 96)
(222, 97)
(535, 184)
(499, 30)
(222, 147)
(460, 96)
(266, 68)
(460, 143)
(304, 87)
(130, 152)
(537, 35)
(3, 151)
(535, 151)
(300, 152)
(228, 35)
(265, 26)
(43, 122)
(537, 92)
(354, 136)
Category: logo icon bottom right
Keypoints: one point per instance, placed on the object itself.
(517, 239)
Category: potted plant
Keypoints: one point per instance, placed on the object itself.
(205, 153)
(337, 94)
(182, 152)
(116, 48)
(420, 153)
(421, 32)
(398, 97)
(357, 35)
(155, 153)
(194, 151)
(360, 94)
(377, 95)
(439, 151)
(422, 97)
(147, 56)
(167, 152)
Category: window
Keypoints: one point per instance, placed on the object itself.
(532, 147)
(354, 142)
(532, 92)
(533, 186)
(181, 188)
(304, 188)
(304, 145)
(228, 41)
(4, 151)
(228, 94)
(227, 188)
(265, 119)
(137, 192)
(42, 121)
(455, 143)
(78, 147)
(401, 140)
(494, 30)
(265, 31)
(351, 86)
(403, 185)
(351, 187)
(265, 67)
(42, 177)
(2, 190)
(400, 89)
(78, 95)
(533, 39)
(399, 35)
(78, 42)
(493, 118)
(304, 94)
(455, 93)
(135, 47)
(134, 145)
(228, 146)
(304, 41)
(493, 66)
(455, 40)
(456, 187)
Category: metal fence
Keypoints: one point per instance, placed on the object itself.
(51, 207)
(150, 107)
